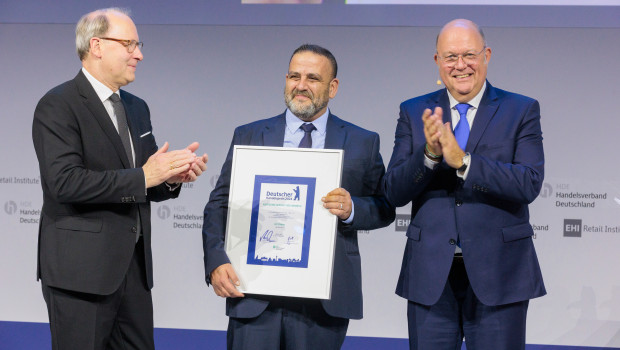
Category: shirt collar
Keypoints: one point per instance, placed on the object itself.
(103, 92)
(474, 102)
(293, 122)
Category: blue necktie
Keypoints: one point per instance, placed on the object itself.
(461, 132)
(306, 141)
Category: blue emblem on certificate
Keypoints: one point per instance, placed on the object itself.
(281, 221)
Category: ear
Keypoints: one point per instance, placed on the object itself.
(487, 54)
(333, 87)
(95, 47)
(436, 58)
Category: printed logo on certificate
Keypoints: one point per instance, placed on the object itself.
(281, 221)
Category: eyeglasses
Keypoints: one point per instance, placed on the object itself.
(129, 44)
(468, 58)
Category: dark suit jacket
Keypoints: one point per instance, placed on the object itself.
(488, 211)
(91, 194)
(362, 173)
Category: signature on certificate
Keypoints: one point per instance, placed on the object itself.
(267, 236)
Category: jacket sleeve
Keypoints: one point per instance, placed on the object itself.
(407, 177)
(58, 141)
(215, 215)
(372, 209)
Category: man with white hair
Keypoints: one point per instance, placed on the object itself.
(100, 169)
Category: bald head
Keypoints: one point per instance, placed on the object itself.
(464, 24)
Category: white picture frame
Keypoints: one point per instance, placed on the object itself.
(279, 238)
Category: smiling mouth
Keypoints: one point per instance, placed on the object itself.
(462, 76)
(302, 97)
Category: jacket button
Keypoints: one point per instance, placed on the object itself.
(459, 202)
(134, 229)
(452, 241)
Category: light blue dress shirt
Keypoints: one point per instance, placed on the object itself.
(293, 134)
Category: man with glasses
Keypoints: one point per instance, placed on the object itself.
(469, 159)
(100, 169)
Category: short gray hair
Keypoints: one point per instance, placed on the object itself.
(92, 25)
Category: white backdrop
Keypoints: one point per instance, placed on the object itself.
(202, 81)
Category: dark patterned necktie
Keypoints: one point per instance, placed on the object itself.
(123, 132)
(306, 141)
(123, 128)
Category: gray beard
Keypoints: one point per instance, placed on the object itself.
(305, 113)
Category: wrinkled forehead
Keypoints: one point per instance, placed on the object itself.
(459, 38)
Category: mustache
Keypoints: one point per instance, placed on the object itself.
(305, 93)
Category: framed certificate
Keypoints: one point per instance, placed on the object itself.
(279, 238)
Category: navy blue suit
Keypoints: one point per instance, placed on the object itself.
(487, 213)
(362, 174)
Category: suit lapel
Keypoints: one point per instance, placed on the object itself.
(335, 133)
(486, 110)
(273, 133)
(442, 100)
(95, 106)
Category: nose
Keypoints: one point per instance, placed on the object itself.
(460, 63)
(302, 84)
(137, 53)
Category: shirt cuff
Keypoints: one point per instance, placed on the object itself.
(350, 218)
(431, 164)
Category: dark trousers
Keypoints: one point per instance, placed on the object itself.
(459, 314)
(288, 323)
(121, 320)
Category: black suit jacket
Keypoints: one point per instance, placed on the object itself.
(362, 174)
(92, 197)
